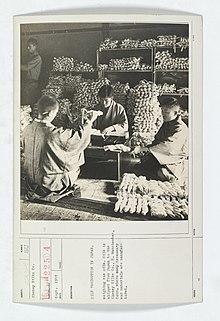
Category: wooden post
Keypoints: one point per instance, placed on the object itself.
(119, 166)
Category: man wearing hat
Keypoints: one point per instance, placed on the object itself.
(167, 157)
(53, 156)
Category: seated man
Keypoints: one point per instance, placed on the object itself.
(114, 118)
(53, 156)
(167, 157)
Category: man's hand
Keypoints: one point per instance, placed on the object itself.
(108, 130)
(139, 151)
(93, 115)
(136, 151)
(165, 175)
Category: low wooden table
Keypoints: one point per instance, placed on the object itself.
(98, 152)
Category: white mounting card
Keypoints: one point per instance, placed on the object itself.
(80, 250)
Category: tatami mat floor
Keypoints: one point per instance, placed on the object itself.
(32, 211)
(96, 190)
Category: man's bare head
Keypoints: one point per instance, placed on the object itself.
(47, 107)
(170, 108)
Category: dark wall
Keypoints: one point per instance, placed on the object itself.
(81, 46)
(81, 40)
(149, 31)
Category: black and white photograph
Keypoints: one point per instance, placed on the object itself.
(107, 159)
(104, 121)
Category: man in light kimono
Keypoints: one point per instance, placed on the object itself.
(167, 157)
(53, 156)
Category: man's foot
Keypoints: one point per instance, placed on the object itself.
(76, 191)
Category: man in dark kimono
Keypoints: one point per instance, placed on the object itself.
(167, 157)
(31, 73)
(114, 118)
(53, 156)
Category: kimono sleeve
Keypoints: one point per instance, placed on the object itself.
(34, 67)
(74, 141)
(122, 120)
(173, 149)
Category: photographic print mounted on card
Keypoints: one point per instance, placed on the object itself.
(108, 158)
